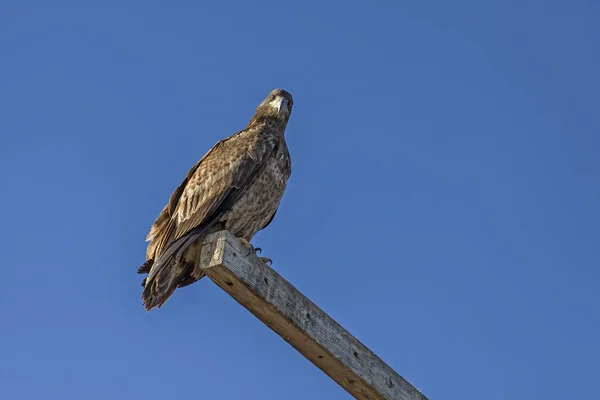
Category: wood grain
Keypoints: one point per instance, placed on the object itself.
(295, 318)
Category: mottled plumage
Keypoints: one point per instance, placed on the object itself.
(236, 186)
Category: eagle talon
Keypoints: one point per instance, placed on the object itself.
(266, 260)
(247, 244)
(251, 248)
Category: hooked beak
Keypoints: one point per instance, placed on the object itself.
(281, 105)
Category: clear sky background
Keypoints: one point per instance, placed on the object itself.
(443, 205)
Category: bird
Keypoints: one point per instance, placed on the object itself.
(236, 186)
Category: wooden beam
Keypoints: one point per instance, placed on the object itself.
(300, 322)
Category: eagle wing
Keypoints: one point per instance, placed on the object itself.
(220, 179)
(163, 229)
(212, 186)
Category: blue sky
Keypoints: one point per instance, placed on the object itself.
(443, 204)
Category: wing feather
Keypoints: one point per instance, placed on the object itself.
(209, 189)
(219, 177)
(162, 231)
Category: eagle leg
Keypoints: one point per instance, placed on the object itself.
(254, 250)
(248, 245)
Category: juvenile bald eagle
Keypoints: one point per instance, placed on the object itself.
(237, 185)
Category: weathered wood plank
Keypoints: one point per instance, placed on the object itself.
(300, 322)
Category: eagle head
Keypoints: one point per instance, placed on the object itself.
(277, 105)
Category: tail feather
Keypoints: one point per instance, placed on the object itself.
(176, 267)
(145, 268)
(162, 285)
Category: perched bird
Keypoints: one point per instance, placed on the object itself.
(237, 186)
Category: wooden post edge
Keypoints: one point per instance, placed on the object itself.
(284, 309)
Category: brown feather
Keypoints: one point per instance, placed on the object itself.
(237, 185)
